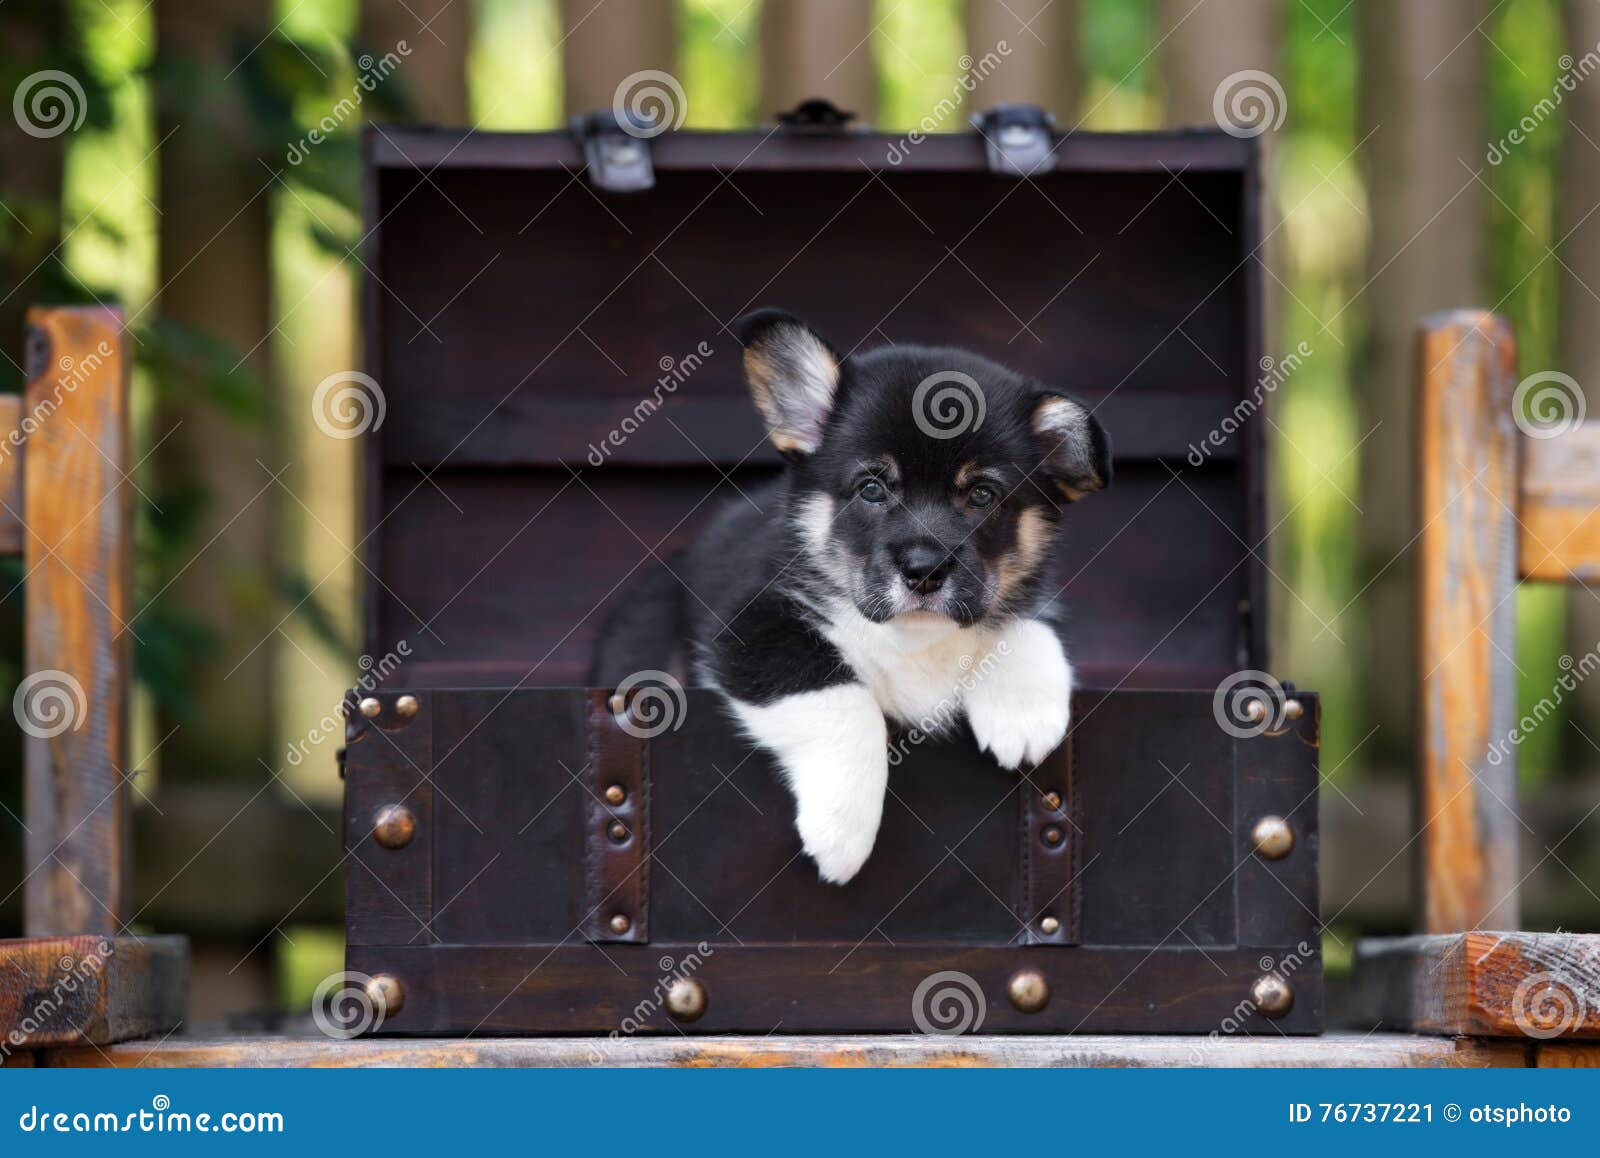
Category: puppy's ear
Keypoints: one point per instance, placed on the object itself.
(793, 376)
(1077, 450)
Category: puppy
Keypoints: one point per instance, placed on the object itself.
(895, 571)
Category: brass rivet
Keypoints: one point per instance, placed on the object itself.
(1293, 710)
(618, 704)
(1052, 836)
(1028, 990)
(618, 831)
(1273, 837)
(1271, 995)
(387, 995)
(686, 999)
(1052, 800)
(394, 826)
(370, 707)
(616, 794)
(620, 924)
(1049, 925)
(406, 706)
(1255, 711)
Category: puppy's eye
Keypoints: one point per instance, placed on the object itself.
(981, 495)
(873, 491)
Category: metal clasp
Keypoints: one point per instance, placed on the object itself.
(1017, 139)
(616, 149)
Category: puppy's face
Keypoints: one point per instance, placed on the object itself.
(929, 482)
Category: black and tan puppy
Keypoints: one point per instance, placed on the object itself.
(896, 570)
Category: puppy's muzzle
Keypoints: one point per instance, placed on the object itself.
(923, 565)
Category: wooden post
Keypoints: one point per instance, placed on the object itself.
(817, 48)
(436, 34)
(609, 42)
(1466, 615)
(73, 700)
(1041, 54)
(1423, 127)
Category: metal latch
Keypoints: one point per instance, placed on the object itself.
(616, 149)
(816, 116)
(1017, 139)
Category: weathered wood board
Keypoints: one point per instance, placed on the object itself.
(80, 990)
(1539, 986)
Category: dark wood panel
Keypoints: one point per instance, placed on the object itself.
(507, 575)
(533, 300)
(1154, 777)
(728, 864)
(826, 988)
(407, 146)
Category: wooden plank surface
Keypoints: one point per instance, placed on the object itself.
(1334, 1050)
(1560, 516)
(77, 652)
(1538, 986)
(1467, 826)
(81, 990)
(10, 474)
(1567, 1055)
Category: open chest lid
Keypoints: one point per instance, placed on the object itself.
(563, 399)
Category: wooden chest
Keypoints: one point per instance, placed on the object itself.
(522, 862)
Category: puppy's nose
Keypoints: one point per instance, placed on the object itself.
(923, 566)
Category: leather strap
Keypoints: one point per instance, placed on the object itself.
(1049, 843)
(617, 838)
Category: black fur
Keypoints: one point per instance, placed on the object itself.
(754, 588)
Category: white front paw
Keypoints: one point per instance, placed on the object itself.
(832, 745)
(1019, 704)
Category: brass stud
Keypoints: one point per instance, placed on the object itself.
(618, 831)
(1052, 836)
(1272, 995)
(1293, 710)
(1049, 926)
(616, 794)
(618, 703)
(1028, 990)
(394, 826)
(387, 995)
(1272, 837)
(1052, 800)
(406, 707)
(620, 924)
(686, 999)
(370, 707)
(1255, 711)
